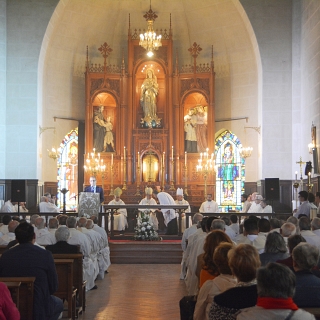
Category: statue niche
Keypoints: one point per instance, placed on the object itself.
(148, 100)
(150, 167)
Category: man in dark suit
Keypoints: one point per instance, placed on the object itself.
(29, 260)
(62, 246)
(94, 188)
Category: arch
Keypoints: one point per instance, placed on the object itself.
(230, 171)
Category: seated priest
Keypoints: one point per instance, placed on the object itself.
(119, 215)
(181, 201)
(148, 200)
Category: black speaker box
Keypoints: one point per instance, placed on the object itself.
(18, 190)
(272, 189)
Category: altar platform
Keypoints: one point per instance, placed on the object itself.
(145, 252)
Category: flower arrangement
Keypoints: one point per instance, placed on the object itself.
(144, 230)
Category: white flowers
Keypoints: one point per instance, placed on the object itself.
(144, 229)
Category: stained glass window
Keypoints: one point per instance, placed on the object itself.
(68, 169)
(230, 172)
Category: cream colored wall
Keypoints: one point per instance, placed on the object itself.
(222, 24)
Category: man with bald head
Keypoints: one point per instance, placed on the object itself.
(10, 236)
(43, 236)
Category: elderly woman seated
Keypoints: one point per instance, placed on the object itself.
(275, 284)
(305, 257)
(243, 261)
(275, 249)
(225, 280)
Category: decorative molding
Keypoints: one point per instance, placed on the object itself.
(95, 85)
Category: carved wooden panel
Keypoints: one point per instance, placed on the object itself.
(204, 84)
(185, 86)
(95, 85)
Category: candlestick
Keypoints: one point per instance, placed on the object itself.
(172, 152)
(138, 159)
(296, 173)
(112, 159)
(163, 173)
(185, 158)
(124, 151)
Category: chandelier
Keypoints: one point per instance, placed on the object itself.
(149, 40)
(94, 165)
(245, 152)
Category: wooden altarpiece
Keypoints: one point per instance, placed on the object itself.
(118, 89)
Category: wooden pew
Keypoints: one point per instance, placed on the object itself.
(314, 311)
(26, 293)
(65, 290)
(78, 282)
(14, 288)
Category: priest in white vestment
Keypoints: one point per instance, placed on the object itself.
(79, 238)
(120, 216)
(181, 201)
(43, 236)
(149, 201)
(10, 236)
(169, 215)
(104, 254)
(184, 242)
(255, 206)
(8, 207)
(209, 206)
(46, 206)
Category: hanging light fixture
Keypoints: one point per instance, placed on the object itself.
(149, 40)
(245, 152)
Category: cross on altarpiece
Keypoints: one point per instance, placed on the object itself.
(195, 50)
(150, 15)
(105, 50)
(300, 163)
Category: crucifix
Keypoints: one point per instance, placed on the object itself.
(300, 163)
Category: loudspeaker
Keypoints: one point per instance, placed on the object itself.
(272, 188)
(18, 190)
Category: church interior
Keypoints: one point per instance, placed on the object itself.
(227, 102)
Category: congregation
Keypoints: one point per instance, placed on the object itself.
(258, 268)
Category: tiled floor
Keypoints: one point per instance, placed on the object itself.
(137, 292)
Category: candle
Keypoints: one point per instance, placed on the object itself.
(172, 152)
(309, 177)
(112, 159)
(124, 155)
(138, 159)
(185, 158)
(296, 173)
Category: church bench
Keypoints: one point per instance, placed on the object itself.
(14, 288)
(78, 282)
(25, 297)
(65, 290)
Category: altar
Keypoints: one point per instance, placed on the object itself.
(149, 119)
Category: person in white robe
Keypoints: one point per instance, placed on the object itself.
(120, 216)
(22, 207)
(184, 242)
(10, 236)
(209, 206)
(95, 241)
(169, 215)
(104, 255)
(149, 201)
(43, 236)
(5, 222)
(46, 206)
(181, 201)
(255, 206)
(79, 238)
(53, 225)
(246, 204)
(8, 207)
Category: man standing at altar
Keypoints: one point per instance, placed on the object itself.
(94, 188)
(209, 206)
(181, 201)
(120, 216)
(169, 215)
(148, 200)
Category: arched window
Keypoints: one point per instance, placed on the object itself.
(230, 172)
(68, 169)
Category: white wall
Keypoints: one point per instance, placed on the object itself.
(26, 25)
(3, 38)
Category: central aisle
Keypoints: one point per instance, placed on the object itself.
(137, 292)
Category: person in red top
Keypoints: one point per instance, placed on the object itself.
(8, 310)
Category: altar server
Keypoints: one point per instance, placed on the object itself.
(169, 215)
(148, 200)
(120, 216)
(181, 201)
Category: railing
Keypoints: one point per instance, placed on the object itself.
(178, 208)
